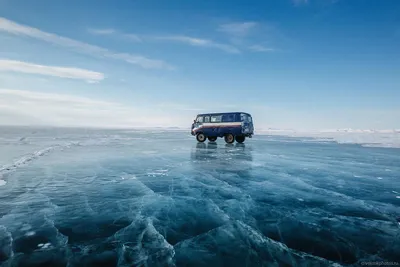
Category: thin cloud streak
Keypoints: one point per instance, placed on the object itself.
(118, 34)
(237, 29)
(168, 38)
(101, 31)
(80, 47)
(260, 48)
(245, 34)
(55, 71)
(197, 42)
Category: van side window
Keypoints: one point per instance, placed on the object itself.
(216, 118)
(228, 118)
(200, 119)
(207, 119)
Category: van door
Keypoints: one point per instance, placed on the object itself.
(198, 123)
(217, 131)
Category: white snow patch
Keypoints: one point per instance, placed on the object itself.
(44, 246)
(2, 182)
(157, 173)
(26, 227)
(31, 233)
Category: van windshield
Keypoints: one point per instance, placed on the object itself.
(245, 118)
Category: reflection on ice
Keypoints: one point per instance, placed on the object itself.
(227, 154)
(139, 199)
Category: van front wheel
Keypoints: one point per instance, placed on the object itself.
(229, 138)
(240, 138)
(201, 137)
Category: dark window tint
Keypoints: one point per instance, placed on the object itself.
(207, 119)
(216, 118)
(228, 118)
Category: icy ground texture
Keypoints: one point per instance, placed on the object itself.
(137, 198)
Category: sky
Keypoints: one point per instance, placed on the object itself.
(292, 64)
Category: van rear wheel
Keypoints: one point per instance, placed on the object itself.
(212, 138)
(229, 138)
(200, 137)
(240, 138)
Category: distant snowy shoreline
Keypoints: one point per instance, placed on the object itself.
(368, 138)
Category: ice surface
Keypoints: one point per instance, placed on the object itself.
(74, 197)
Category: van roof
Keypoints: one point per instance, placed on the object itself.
(222, 113)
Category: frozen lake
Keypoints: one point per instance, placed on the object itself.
(73, 197)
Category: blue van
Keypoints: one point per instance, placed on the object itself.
(232, 126)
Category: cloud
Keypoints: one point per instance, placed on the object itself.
(62, 72)
(21, 107)
(101, 31)
(237, 29)
(300, 2)
(260, 48)
(170, 38)
(198, 42)
(127, 36)
(80, 47)
(245, 34)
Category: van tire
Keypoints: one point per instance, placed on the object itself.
(200, 137)
(229, 138)
(240, 138)
(212, 138)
